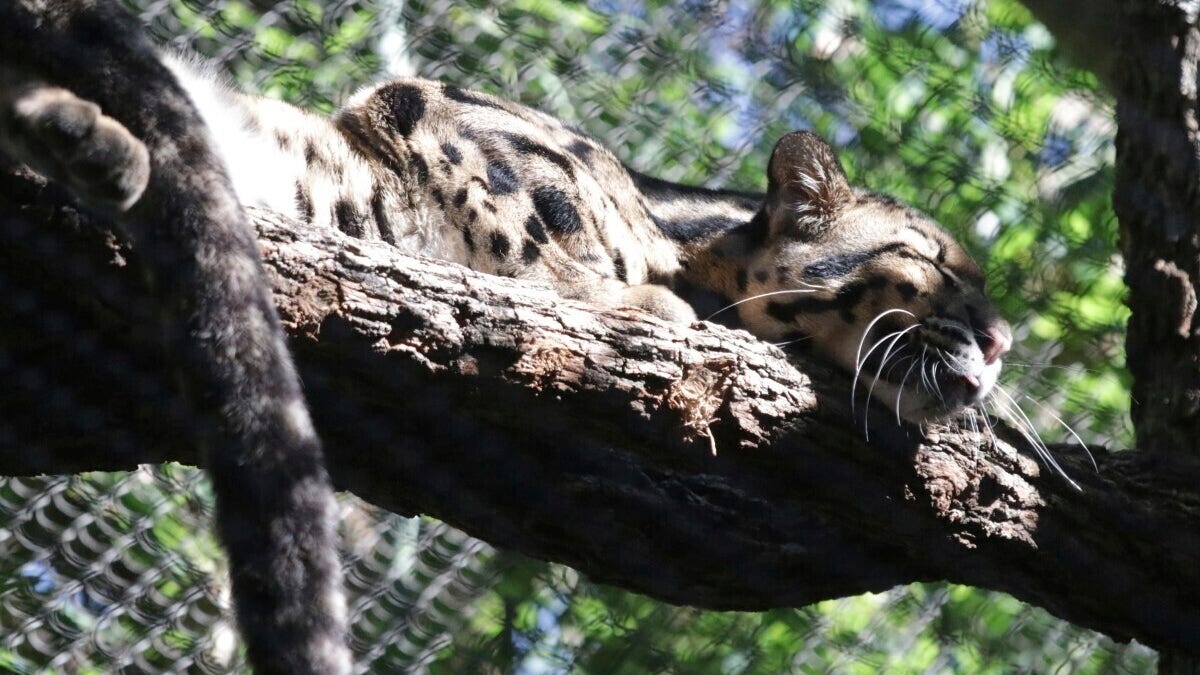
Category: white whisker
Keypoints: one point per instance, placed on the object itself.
(968, 415)
(1066, 426)
(883, 361)
(857, 372)
(924, 362)
(942, 357)
(936, 385)
(1032, 436)
(863, 339)
(813, 286)
(756, 297)
(858, 365)
(788, 342)
(987, 422)
(1044, 366)
(879, 372)
(956, 365)
(871, 391)
(1006, 410)
(901, 392)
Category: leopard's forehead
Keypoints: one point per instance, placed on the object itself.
(876, 225)
(879, 254)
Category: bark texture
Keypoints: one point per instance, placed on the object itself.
(587, 438)
(1158, 207)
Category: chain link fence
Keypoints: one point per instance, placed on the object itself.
(959, 107)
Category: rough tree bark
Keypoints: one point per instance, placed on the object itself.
(1157, 205)
(584, 437)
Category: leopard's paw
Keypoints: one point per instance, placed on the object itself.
(659, 301)
(70, 140)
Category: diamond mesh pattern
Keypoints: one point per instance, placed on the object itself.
(120, 572)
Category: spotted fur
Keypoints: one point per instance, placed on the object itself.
(435, 169)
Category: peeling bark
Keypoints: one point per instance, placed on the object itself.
(1157, 205)
(587, 437)
(1147, 53)
(1155, 198)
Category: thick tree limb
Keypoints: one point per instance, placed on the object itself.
(584, 437)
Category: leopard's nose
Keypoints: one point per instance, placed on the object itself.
(997, 341)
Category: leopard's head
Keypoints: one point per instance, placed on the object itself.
(875, 285)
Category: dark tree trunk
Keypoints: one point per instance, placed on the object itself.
(1157, 200)
(1148, 52)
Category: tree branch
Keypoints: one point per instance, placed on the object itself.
(584, 437)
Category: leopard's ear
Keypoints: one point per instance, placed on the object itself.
(807, 187)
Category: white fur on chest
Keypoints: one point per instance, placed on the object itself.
(261, 173)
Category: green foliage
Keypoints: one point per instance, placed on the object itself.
(539, 619)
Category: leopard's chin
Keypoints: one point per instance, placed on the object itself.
(939, 397)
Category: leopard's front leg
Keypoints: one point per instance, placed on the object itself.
(656, 299)
(70, 140)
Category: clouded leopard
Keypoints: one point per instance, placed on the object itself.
(505, 189)
(434, 169)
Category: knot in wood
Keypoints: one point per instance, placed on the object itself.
(1176, 284)
(547, 364)
(698, 394)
